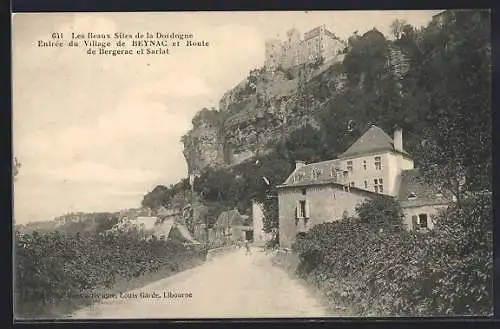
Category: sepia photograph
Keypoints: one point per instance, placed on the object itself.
(252, 165)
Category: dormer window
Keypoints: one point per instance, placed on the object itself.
(316, 173)
(349, 166)
(412, 196)
(299, 176)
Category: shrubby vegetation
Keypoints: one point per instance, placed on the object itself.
(373, 272)
(54, 269)
(381, 211)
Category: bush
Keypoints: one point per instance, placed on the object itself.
(405, 273)
(273, 243)
(381, 211)
(54, 268)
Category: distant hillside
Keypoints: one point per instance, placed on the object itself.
(73, 223)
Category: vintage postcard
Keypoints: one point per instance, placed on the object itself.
(196, 165)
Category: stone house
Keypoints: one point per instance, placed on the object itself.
(375, 164)
(443, 18)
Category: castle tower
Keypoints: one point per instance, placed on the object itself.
(291, 48)
(274, 53)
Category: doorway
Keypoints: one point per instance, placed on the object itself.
(249, 235)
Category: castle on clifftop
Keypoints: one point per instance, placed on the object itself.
(318, 42)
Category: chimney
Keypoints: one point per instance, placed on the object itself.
(299, 163)
(398, 138)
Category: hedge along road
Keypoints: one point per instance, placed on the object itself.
(229, 286)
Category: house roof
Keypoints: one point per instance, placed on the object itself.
(373, 140)
(414, 191)
(324, 180)
(146, 222)
(165, 227)
(185, 233)
(322, 168)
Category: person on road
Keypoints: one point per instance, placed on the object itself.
(247, 247)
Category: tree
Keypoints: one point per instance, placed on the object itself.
(381, 211)
(306, 144)
(464, 234)
(456, 151)
(159, 196)
(215, 184)
(105, 221)
(397, 27)
(366, 62)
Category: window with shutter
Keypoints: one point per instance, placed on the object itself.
(307, 213)
(302, 208)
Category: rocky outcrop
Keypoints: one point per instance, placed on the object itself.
(256, 114)
(203, 146)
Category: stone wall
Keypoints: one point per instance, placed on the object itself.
(324, 203)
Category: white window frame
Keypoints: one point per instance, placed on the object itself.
(302, 212)
(378, 185)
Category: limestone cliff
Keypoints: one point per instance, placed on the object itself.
(254, 116)
(202, 145)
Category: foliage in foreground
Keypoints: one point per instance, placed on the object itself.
(448, 271)
(54, 268)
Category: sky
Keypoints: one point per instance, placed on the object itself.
(95, 133)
